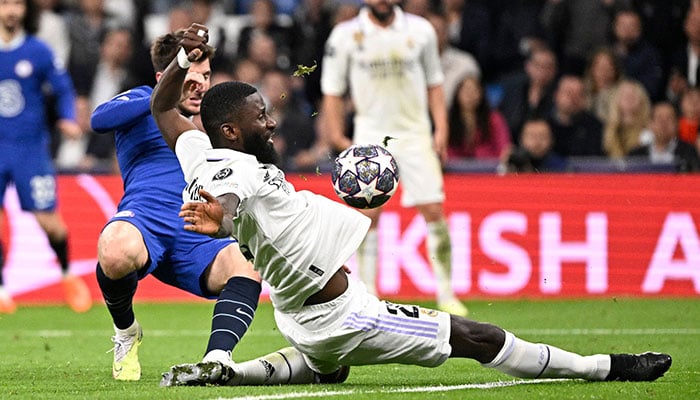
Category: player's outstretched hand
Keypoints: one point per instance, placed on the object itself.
(195, 37)
(203, 218)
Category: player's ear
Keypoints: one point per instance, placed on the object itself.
(230, 132)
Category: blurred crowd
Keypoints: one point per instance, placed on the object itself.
(530, 85)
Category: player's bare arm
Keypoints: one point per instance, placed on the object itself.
(214, 217)
(438, 112)
(167, 93)
(334, 116)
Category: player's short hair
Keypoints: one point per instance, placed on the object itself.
(221, 104)
(165, 48)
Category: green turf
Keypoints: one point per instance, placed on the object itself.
(52, 353)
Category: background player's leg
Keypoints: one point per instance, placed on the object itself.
(439, 248)
(75, 290)
(7, 305)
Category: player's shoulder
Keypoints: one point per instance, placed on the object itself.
(135, 93)
(414, 22)
(348, 27)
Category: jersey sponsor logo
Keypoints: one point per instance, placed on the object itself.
(223, 174)
(316, 270)
(11, 98)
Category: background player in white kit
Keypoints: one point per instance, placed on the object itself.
(298, 241)
(390, 63)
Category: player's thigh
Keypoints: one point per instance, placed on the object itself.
(420, 173)
(187, 263)
(229, 262)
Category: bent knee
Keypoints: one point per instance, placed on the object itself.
(121, 250)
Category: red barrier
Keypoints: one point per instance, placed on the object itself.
(525, 236)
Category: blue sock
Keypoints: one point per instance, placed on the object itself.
(233, 313)
(119, 296)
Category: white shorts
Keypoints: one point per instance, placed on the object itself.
(359, 329)
(420, 171)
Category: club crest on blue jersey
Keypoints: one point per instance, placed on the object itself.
(223, 174)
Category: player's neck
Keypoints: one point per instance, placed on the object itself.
(384, 22)
(8, 35)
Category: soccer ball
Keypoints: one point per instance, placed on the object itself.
(365, 176)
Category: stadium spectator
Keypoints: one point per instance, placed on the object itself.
(576, 131)
(295, 136)
(100, 152)
(111, 73)
(456, 64)
(640, 60)
(138, 241)
(689, 120)
(473, 30)
(53, 29)
(578, 27)
(627, 120)
(87, 25)
(328, 317)
(388, 62)
(264, 23)
(666, 148)
(519, 31)
(27, 68)
(535, 152)
(476, 130)
(247, 70)
(263, 51)
(529, 94)
(602, 75)
(685, 62)
(211, 13)
(312, 23)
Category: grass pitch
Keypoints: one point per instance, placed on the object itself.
(48, 352)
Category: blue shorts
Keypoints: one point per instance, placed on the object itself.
(34, 176)
(175, 256)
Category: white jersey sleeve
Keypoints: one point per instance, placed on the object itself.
(336, 60)
(431, 58)
(190, 150)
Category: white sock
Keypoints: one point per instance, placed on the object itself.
(367, 255)
(285, 366)
(440, 257)
(535, 360)
(132, 330)
(219, 355)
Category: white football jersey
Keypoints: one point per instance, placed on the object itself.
(388, 71)
(296, 240)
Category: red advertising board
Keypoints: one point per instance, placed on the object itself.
(518, 236)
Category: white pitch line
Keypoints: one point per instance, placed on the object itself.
(418, 389)
(204, 332)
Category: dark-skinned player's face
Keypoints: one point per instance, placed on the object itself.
(257, 128)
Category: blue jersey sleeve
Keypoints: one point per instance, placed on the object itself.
(123, 110)
(61, 86)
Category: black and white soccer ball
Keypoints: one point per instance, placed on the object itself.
(365, 176)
